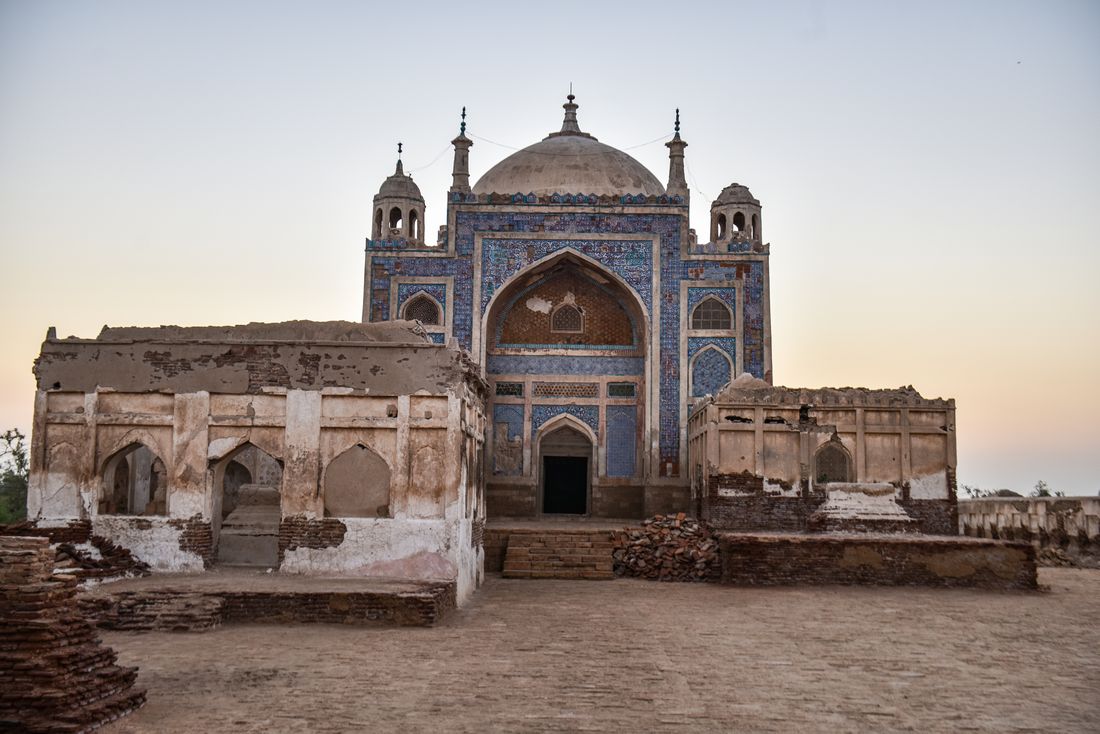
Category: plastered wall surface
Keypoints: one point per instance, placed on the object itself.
(416, 408)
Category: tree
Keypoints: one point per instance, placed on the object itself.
(14, 473)
(1042, 489)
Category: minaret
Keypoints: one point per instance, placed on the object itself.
(398, 207)
(461, 172)
(677, 184)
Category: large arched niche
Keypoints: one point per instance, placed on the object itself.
(357, 484)
(134, 481)
(519, 317)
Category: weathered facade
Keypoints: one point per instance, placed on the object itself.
(571, 275)
(342, 448)
(765, 458)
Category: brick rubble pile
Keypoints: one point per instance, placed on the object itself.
(667, 548)
(55, 674)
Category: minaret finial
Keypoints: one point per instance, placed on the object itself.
(462, 127)
(400, 170)
(399, 151)
(677, 120)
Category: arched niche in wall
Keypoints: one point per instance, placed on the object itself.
(357, 484)
(832, 463)
(423, 308)
(711, 370)
(711, 314)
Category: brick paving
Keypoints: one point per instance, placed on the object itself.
(632, 655)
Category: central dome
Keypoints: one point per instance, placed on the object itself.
(569, 162)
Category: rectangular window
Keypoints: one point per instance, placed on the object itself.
(510, 389)
(621, 389)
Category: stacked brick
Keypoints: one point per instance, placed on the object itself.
(55, 675)
(558, 554)
(667, 548)
(113, 561)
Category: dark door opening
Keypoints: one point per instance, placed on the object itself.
(565, 485)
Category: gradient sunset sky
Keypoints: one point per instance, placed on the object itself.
(929, 172)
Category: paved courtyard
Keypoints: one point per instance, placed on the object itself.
(632, 655)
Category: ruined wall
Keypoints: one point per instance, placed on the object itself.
(756, 453)
(1071, 524)
(421, 524)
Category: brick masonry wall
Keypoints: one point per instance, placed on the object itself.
(496, 543)
(196, 537)
(771, 560)
(302, 532)
(605, 320)
(75, 532)
(510, 500)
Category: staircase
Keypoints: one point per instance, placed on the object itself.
(558, 554)
(250, 535)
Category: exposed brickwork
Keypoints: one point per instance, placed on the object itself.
(76, 531)
(935, 517)
(304, 532)
(477, 532)
(770, 560)
(55, 674)
(496, 542)
(180, 610)
(510, 500)
(605, 320)
(618, 501)
(559, 554)
(196, 537)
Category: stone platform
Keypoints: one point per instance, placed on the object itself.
(774, 559)
(199, 602)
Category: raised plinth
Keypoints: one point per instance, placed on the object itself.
(199, 602)
(757, 559)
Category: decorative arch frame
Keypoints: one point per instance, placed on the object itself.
(136, 436)
(566, 420)
(650, 395)
(720, 302)
(695, 357)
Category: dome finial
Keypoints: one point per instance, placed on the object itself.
(569, 124)
(462, 127)
(677, 122)
(400, 170)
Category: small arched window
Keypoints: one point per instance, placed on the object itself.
(721, 227)
(739, 222)
(567, 319)
(395, 218)
(378, 224)
(755, 227)
(423, 309)
(711, 314)
(414, 225)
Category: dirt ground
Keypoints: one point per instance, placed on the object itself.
(631, 655)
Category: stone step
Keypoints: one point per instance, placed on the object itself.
(560, 555)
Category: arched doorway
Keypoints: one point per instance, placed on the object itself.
(248, 483)
(565, 455)
(135, 482)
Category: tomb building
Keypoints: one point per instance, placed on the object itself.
(570, 273)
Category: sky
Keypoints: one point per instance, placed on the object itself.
(929, 174)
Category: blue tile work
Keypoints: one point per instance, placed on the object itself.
(438, 291)
(726, 344)
(622, 440)
(501, 364)
(709, 373)
(437, 337)
(512, 416)
(631, 259)
(727, 296)
(590, 414)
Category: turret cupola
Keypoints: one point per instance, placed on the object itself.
(399, 208)
(735, 214)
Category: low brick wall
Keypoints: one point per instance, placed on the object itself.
(187, 610)
(496, 543)
(788, 559)
(74, 531)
